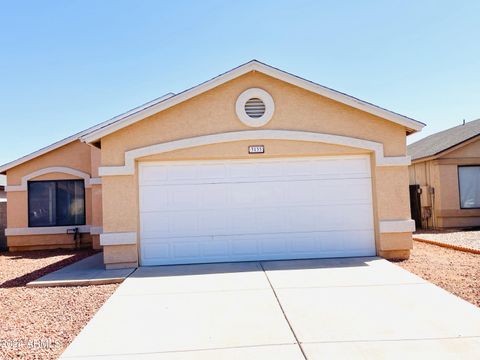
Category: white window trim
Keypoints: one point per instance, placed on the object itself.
(132, 155)
(45, 230)
(55, 169)
(250, 94)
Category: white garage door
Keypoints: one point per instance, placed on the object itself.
(240, 210)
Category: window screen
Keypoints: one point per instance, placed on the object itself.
(56, 203)
(469, 183)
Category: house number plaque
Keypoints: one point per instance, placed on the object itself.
(256, 149)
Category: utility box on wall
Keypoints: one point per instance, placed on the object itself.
(425, 197)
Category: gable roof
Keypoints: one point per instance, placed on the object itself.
(94, 133)
(254, 65)
(436, 144)
(77, 136)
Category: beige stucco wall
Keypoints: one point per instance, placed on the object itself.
(47, 241)
(441, 174)
(214, 112)
(75, 155)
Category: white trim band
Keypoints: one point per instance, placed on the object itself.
(96, 181)
(132, 155)
(96, 230)
(49, 170)
(118, 238)
(47, 230)
(397, 226)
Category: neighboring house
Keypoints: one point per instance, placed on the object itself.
(3, 183)
(446, 170)
(253, 164)
(3, 212)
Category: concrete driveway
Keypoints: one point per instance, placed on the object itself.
(357, 308)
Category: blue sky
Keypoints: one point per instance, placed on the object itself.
(67, 65)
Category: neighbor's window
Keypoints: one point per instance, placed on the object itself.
(469, 183)
(56, 203)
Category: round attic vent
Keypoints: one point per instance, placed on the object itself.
(255, 107)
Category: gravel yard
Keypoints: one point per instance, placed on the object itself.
(468, 239)
(455, 271)
(38, 323)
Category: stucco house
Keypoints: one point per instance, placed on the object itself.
(253, 164)
(445, 178)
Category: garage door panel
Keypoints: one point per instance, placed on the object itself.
(212, 171)
(151, 201)
(213, 196)
(247, 210)
(214, 222)
(260, 170)
(274, 245)
(218, 196)
(151, 175)
(188, 198)
(185, 248)
(263, 220)
(154, 253)
(151, 225)
(255, 247)
(215, 248)
(299, 168)
(331, 218)
(269, 220)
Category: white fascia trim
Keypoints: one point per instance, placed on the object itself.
(45, 230)
(49, 170)
(128, 119)
(96, 230)
(132, 155)
(397, 226)
(341, 97)
(118, 238)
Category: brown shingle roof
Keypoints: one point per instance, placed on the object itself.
(437, 143)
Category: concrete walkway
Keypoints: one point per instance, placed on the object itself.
(89, 271)
(361, 308)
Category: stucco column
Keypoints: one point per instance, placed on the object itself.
(120, 221)
(393, 209)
